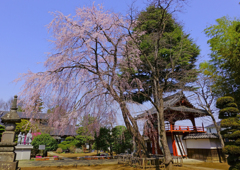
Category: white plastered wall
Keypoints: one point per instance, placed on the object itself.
(203, 143)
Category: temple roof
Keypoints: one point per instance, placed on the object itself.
(171, 103)
(201, 136)
(69, 130)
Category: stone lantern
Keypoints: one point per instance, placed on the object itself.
(7, 144)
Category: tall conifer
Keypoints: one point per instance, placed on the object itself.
(229, 114)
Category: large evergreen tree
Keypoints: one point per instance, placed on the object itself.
(170, 50)
(229, 114)
(167, 62)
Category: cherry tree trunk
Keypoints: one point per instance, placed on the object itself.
(133, 129)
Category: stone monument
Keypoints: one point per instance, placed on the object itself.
(19, 138)
(29, 138)
(23, 138)
(23, 149)
(7, 154)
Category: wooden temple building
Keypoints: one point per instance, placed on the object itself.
(177, 107)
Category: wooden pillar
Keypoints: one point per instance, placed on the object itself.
(149, 147)
(174, 146)
(153, 146)
(193, 122)
(172, 123)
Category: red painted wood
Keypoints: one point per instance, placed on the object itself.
(153, 147)
(174, 146)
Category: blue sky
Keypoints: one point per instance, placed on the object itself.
(23, 35)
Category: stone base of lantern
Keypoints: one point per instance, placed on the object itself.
(9, 165)
(23, 152)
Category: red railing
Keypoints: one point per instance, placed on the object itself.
(184, 128)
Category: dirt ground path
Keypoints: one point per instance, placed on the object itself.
(199, 166)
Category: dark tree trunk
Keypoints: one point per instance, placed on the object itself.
(163, 137)
(217, 128)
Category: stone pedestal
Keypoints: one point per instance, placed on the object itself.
(7, 144)
(9, 165)
(23, 152)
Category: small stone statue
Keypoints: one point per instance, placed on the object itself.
(29, 138)
(19, 138)
(23, 137)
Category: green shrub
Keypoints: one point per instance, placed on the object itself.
(59, 150)
(45, 139)
(69, 138)
(69, 141)
(229, 114)
(63, 146)
(223, 101)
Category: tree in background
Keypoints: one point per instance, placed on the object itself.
(229, 114)
(206, 98)
(6, 105)
(225, 57)
(87, 130)
(103, 140)
(122, 139)
(118, 140)
(24, 126)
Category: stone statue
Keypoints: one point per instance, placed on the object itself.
(29, 138)
(23, 137)
(19, 138)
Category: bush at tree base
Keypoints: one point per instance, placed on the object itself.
(119, 139)
(230, 116)
(45, 139)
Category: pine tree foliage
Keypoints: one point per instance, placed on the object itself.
(230, 116)
(176, 53)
